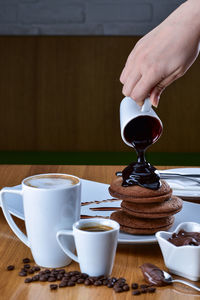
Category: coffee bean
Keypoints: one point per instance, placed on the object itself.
(42, 273)
(36, 278)
(126, 287)
(36, 269)
(27, 266)
(113, 279)
(118, 289)
(59, 276)
(30, 271)
(71, 273)
(144, 286)
(134, 286)
(71, 283)
(143, 291)
(26, 260)
(52, 279)
(61, 271)
(110, 284)
(73, 278)
(63, 284)
(119, 284)
(87, 282)
(10, 267)
(43, 278)
(121, 279)
(91, 279)
(28, 280)
(77, 273)
(98, 283)
(53, 286)
(65, 278)
(22, 273)
(47, 271)
(105, 282)
(80, 280)
(23, 270)
(151, 290)
(84, 275)
(135, 293)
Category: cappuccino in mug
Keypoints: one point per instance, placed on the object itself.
(51, 202)
(51, 181)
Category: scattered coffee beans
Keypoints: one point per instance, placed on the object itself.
(70, 279)
(10, 267)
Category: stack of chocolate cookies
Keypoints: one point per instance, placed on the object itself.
(144, 211)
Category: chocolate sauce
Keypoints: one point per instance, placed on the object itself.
(141, 132)
(153, 275)
(183, 238)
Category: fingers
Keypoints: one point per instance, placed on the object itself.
(152, 83)
(142, 88)
(130, 83)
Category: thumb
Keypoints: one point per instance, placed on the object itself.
(155, 95)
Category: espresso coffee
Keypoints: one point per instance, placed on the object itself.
(96, 228)
(141, 132)
(50, 181)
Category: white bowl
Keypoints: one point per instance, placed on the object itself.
(183, 260)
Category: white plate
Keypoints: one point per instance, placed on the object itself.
(183, 187)
(95, 191)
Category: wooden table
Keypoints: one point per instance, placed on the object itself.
(127, 262)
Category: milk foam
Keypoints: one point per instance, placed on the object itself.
(50, 182)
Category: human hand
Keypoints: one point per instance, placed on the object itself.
(163, 55)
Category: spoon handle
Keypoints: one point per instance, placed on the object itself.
(188, 284)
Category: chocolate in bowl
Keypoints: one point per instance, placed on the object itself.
(185, 238)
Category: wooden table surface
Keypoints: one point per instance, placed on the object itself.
(127, 261)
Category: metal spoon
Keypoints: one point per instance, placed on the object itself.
(169, 279)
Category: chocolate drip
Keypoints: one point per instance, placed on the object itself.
(141, 132)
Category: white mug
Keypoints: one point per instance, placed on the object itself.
(130, 110)
(51, 202)
(95, 250)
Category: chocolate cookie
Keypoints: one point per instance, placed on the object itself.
(138, 191)
(135, 225)
(138, 194)
(153, 210)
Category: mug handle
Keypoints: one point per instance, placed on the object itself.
(9, 218)
(64, 248)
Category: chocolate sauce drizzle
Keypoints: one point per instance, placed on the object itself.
(141, 132)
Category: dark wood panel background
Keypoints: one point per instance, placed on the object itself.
(63, 94)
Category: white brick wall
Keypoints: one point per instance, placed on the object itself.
(83, 17)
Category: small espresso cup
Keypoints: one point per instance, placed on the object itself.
(96, 243)
(130, 110)
(51, 202)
